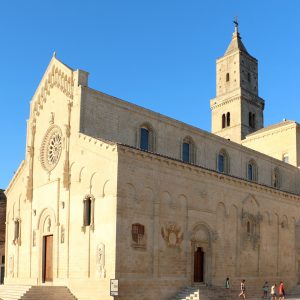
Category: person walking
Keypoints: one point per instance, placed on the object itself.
(243, 289)
(281, 291)
(227, 284)
(273, 292)
(265, 290)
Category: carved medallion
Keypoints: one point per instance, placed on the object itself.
(51, 148)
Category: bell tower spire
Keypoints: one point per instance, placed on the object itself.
(237, 110)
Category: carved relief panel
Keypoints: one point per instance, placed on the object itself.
(172, 234)
(100, 261)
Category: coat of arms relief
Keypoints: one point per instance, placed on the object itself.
(172, 234)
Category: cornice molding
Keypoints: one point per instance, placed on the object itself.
(97, 142)
(225, 102)
(255, 101)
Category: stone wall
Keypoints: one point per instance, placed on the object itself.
(119, 121)
(183, 207)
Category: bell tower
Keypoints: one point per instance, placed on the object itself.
(237, 110)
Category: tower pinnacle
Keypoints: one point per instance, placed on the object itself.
(236, 24)
(237, 109)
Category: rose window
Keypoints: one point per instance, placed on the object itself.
(51, 148)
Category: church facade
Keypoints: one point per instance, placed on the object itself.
(110, 190)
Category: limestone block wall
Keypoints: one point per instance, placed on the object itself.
(284, 136)
(184, 207)
(119, 121)
(92, 250)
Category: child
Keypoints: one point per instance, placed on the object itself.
(265, 290)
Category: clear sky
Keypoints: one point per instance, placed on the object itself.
(159, 54)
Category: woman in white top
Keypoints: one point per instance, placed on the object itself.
(273, 291)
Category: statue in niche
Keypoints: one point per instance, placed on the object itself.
(100, 261)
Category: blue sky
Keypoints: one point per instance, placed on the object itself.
(159, 54)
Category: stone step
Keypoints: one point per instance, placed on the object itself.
(18, 292)
(202, 292)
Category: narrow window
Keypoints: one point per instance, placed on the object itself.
(250, 119)
(228, 119)
(248, 228)
(249, 77)
(223, 121)
(227, 77)
(144, 142)
(223, 162)
(87, 211)
(276, 178)
(252, 171)
(221, 167)
(186, 152)
(17, 230)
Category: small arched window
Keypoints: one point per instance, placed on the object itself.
(223, 162)
(17, 229)
(228, 119)
(248, 228)
(227, 77)
(88, 212)
(146, 138)
(252, 120)
(223, 121)
(144, 142)
(188, 150)
(276, 178)
(252, 170)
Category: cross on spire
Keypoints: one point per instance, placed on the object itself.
(236, 23)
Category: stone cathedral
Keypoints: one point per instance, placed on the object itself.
(111, 190)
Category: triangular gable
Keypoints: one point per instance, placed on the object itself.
(57, 75)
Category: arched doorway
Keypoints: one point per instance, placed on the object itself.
(201, 257)
(46, 227)
(47, 264)
(198, 265)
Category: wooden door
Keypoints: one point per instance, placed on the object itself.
(48, 258)
(199, 265)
